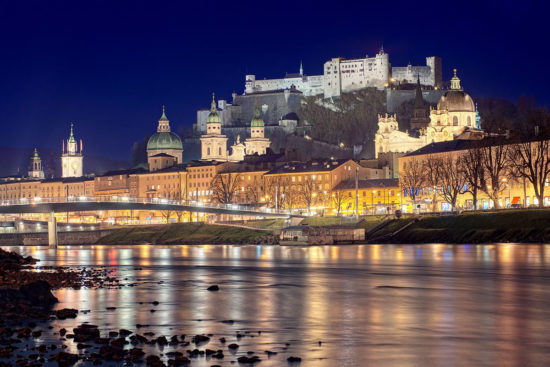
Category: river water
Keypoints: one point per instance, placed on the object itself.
(375, 305)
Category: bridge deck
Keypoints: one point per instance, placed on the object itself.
(95, 204)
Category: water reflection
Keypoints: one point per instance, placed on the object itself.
(383, 305)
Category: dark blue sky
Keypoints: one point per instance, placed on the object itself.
(110, 65)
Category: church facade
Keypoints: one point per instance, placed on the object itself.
(455, 113)
(214, 143)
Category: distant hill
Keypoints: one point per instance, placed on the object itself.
(15, 161)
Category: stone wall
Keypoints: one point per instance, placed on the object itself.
(41, 238)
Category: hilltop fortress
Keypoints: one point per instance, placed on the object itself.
(346, 75)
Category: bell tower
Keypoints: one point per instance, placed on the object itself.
(36, 170)
(71, 157)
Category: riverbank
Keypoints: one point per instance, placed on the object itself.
(185, 233)
(518, 226)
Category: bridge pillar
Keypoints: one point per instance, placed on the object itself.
(52, 231)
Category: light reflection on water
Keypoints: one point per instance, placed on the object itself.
(383, 305)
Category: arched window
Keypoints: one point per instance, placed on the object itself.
(455, 121)
(207, 151)
(469, 121)
(220, 151)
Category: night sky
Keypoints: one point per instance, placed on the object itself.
(110, 68)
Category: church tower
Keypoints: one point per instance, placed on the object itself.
(214, 143)
(36, 170)
(71, 159)
(257, 143)
(420, 118)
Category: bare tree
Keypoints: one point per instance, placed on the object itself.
(471, 164)
(431, 175)
(224, 186)
(412, 179)
(339, 199)
(496, 167)
(307, 192)
(450, 178)
(531, 160)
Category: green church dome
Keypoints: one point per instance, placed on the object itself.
(257, 120)
(213, 117)
(164, 140)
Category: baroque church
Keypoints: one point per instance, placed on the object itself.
(214, 143)
(454, 115)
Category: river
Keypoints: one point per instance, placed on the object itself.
(368, 305)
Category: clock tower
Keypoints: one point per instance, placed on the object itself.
(71, 159)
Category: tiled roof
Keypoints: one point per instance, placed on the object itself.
(315, 165)
(368, 184)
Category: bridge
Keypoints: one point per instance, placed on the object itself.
(90, 203)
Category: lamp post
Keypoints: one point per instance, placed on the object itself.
(357, 193)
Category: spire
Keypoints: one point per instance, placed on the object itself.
(213, 117)
(301, 69)
(455, 82)
(418, 101)
(71, 136)
(164, 123)
(35, 156)
(163, 117)
(381, 52)
(213, 104)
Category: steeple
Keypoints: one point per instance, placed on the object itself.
(213, 117)
(164, 123)
(257, 120)
(36, 166)
(418, 101)
(301, 69)
(455, 82)
(71, 136)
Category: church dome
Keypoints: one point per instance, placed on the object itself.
(257, 119)
(456, 100)
(164, 140)
(213, 117)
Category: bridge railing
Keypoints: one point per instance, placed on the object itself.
(136, 200)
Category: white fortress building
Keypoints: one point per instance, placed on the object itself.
(346, 75)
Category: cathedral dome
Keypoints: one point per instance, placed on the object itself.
(456, 100)
(257, 119)
(164, 140)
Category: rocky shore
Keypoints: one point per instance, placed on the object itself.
(27, 318)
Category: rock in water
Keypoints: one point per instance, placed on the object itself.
(213, 288)
(38, 292)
